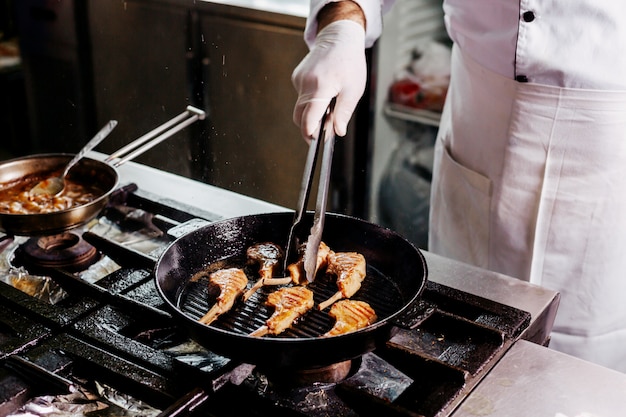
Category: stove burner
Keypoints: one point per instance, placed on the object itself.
(66, 250)
(333, 373)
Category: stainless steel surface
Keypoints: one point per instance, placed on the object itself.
(534, 381)
(540, 302)
(254, 147)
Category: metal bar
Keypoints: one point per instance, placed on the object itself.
(39, 375)
(303, 200)
(327, 135)
(150, 139)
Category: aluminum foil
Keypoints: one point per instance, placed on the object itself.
(105, 402)
(40, 287)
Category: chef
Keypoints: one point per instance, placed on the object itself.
(530, 161)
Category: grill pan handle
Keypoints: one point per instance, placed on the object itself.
(414, 315)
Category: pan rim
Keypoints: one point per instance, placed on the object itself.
(15, 222)
(174, 305)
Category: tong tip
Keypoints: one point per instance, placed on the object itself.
(310, 257)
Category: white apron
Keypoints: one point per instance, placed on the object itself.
(530, 181)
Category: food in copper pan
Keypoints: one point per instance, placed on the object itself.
(350, 315)
(289, 304)
(16, 199)
(268, 256)
(230, 283)
(350, 270)
(296, 269)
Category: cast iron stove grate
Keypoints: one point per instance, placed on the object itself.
(125, 338)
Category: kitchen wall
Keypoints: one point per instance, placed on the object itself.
(55, 63)
(141, 62)
(151, 59)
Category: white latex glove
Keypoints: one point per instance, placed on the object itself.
(334, 67)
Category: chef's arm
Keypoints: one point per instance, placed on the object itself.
(334, 67)
(340, 10)
(370, 13)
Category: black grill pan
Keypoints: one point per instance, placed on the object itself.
(396, 276)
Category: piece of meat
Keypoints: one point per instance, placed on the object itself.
(296, 269)
(289, 304)
(268, 256)
(350, 315)
(230, 282)
(350, 269)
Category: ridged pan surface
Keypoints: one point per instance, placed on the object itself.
(377, 290)
(396, 276)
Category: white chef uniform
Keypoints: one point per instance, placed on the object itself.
(530, 162)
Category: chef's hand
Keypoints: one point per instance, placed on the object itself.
(334, 67)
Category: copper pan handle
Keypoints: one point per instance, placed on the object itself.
(155, 136)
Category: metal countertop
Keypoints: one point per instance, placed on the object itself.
(531, 380)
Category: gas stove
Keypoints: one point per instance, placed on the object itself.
(82, 323)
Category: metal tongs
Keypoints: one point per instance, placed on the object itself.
(327, 137)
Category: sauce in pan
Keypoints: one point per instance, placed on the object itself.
(15, 197)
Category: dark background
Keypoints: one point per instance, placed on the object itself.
(141, 62)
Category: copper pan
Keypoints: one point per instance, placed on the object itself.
(87, 171)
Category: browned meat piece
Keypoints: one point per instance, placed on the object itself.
(289, 304)
(268, 255)
(230, 282)
(350, 315)
(350, 269)
(296, 269)
(297, 273)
